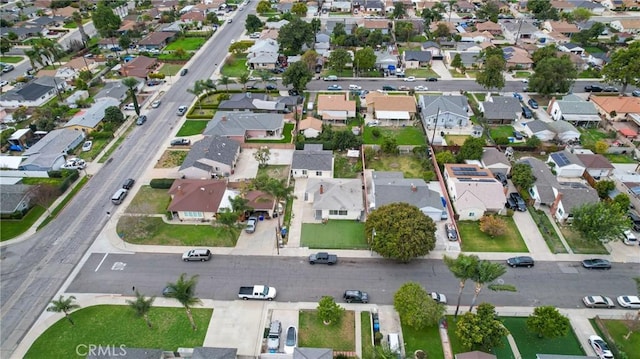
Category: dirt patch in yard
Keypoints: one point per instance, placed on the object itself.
(172, 158)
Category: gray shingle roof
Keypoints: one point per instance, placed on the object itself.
(242, 101)
(114, 89)
(502, 108)
(574, 105)
(453, 104)
(312, 353)
(491, 156)
(93, 115)
(215, 148)
(545, 180)
(576, 197)
(338, 194)
(312, 159)
(538, 126)
(11, 196)
(392, 189)
(214, 353)
(421, 56)
(29, 92)
(238, 123)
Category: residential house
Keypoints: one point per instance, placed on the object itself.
(495, 160)
(113, 89)
(470, 59)
(322, 44)
(199, 200)
(213, 156)
(312, 353)
(263, 54)
(89, 119)
(566, 164)
(14, 198)
(563, 6)
(156, 40)
(310, 127)
(108, 43)
(565, 132)
(336, 108)
(539, 129)
(627, 25)
(335, 198)
(341, 6)
(276, 25)
(349, 24)
(489, 26)
(473, 190)
(399, 109)
(560, 198)
(517, 58)
(392, 187)
(575, 110)
(386, 60)
(378, 24)
(374, 6)
(312, 161)
(598, 166)
(77, 96)
(33, 94)
(476, 37)
(24, 31)
(263, 203)
(242, 126)
(501, 109)
(464, 6)
(432, 47)
(139, 67)
(619, 107)
(49, 152)
(515, 31)
(563, 27)
(249, 101)
(571, 48)
(194, 17)
(444, 111)
(450, 25)
(416, 59)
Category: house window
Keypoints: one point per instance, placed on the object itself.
(191, 214)
(472, 214)
(560, 212)
(318, 173)
(304, 172)
(341, 212)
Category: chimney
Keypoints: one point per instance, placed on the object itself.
(179, 188)
(224, 118)
(414, 188)
(321, 189)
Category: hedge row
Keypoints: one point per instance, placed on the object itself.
(162, 183)
(68, 181)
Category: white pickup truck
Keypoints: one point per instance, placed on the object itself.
(257, 292)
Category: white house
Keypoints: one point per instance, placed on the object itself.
(566, 164)
(539, 129)
(473, 190)
(335, 198)
(495, 160)
(311, 162)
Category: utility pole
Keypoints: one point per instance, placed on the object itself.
(277, 241)
(435, 126)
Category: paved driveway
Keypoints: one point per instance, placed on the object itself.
(247, 167)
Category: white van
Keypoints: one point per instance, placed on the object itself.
(393, 339)
(119, 196)
(309, 106)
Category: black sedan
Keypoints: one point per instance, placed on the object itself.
(522, 261)
(596, 263)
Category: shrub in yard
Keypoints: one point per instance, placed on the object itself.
(161, 183)
(375, 132)
(329, 311)
(493, 225)
(102, 134)
(547, 322)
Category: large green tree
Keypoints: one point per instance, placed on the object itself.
(78, 20)
(471, 149)
(581, 14)
(491, 75)
(522, 176)
(253, 24)
(600, 221)
(463, 268)
(329, 311)
(489, 11)
(481, 331)
(344, 140)
(553, 75)
(299, 9)
(365, 59)
(105, 20)
(295, 34)
(400, 231)
(430, 16)
(338, 59)
(624, 67)
(604, 187)
(547, 322)
(298, 75)
(415, 306)
(485, 272)
(404, 30)
(183, 290)
(114, 115)
(398, 10)
(543, 10)
(263, 7)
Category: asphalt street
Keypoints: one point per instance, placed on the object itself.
(32, 271)
(560, 284)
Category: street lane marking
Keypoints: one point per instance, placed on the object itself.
(100, 264)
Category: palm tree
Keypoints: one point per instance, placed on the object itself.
(226, 81)
(132, 83)
(183, 291)
(280, 191)
(462, 268)
(485, 272)
(197, 89)
(264, 77)
(243, 79)
(35, 57)
(451, 3)
(77, 18)
(64, 305)
(141, 306)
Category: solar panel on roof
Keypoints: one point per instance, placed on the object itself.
(561, 159)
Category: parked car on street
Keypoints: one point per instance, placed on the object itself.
(518, 96)
(598, 301)
(388, 88)
(155, 104)
(334, 88)
(431, 79)
(128, 183)
(520, 261)
(610, 89)
(271, 87)
(635, 93)
(438, 297)
(593, 88)
(181, 110)
(355, 296)
(600, 347)
(201, 255)
(629, 301)
(596, 263)
(141, 120)
(420, 88)
(355, 87)
(409, 79)
(323, 258)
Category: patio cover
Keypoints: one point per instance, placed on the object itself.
(627, 132)
(581, 118)
(393, 115)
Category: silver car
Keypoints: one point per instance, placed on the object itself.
(181, 110)
(598, 301)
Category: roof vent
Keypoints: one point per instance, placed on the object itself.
(202, 189)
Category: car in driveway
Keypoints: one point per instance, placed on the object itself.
(438, 297)
(452, 235)
(635, 219)
(596, 263)
(521, 261)
(629, 301)
(252, 223)
(355, 296)
(502, 178)
(533, 103)
(517, 198)
(180, 142)
(598, 301)
(291, 340)
(635, 93)
(129, 107)
(600, 347)
(629, 238)
(334, 88)
(181, 110)
(86, 146)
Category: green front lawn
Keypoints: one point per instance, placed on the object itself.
(149, 201)
(366, 330)
(83, 181)
(153, 230)
(529, 344)
(455, 139)
(117, 325)
(618, 329)
(501, 131)
(408, 135)
(42, 180)
(590, 136)
(474, 240)
(427, 340)
(170, 69)
(547, 231)
(312, 332)
(334, 234)
(192, 127)
(407, 164)
(10, 228)
(98, 145)
(11, 59)
(187, 44)
(580, 245)
(480, 96)
(287, 132)
(522, 74)
(593, 49)
(421, 74)
(235, 66)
